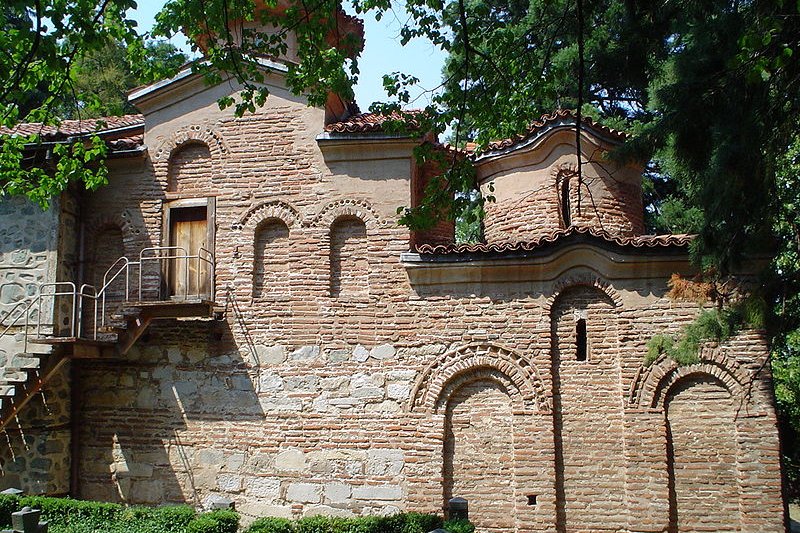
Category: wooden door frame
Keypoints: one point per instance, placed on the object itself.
(210, 203)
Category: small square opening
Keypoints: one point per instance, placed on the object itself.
(531, 499)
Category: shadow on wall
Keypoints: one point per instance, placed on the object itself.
(149, 425)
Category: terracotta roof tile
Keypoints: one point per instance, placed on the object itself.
(639, 241)
(548, 120)
(119, 141)
(69, 128)
(368, 122)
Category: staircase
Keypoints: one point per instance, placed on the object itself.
(102, 323)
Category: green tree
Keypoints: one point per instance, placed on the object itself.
(102, 78)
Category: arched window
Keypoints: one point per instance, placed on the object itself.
(580, 340)
(349, 269)
(271, 268)
(566, 217)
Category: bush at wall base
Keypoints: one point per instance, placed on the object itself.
(398, 523)
(66, 515)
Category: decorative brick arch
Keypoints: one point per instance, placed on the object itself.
(273, 209)
(131, 234)
(652, 385)
(474, 362)
(580, 280)
(199, 133)
(360, 209)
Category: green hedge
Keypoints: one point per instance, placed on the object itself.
(77, 516)
(398, 523)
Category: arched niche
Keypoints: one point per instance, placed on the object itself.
(189, 168)
(702, 455)
(271, 260)
(588, 421)
(349, 266)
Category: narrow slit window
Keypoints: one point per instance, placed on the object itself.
(565, 208)
(580, 339)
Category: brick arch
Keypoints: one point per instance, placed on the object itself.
(479, 361)
(581, 280)
(194, 133)
(131, 233)
(360, 209)
(273, 209)
(652, 385)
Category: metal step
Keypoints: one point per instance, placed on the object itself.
(7, 391)
(113, 327)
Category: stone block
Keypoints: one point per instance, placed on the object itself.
(383, 351)
(360, 354)
(147, 491)
(263, 488)
(326, 510)
(271, 355)
(398, 391)
(378, 493)
(337, 492)
(209, 457)
(305, 353)
(229, 482)
(269, 381)
(304, 492)
(259, 509)
(291, 460)
(234, 462)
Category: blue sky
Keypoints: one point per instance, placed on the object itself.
(382, 54)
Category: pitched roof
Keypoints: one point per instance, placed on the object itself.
(565, 117)
(69, 128)
(370, 122)
(638, 241)
(121, 133)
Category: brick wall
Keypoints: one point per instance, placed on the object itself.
(537, 194)
(354, 390)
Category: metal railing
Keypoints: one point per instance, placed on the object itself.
(96, 302)
(26, 306)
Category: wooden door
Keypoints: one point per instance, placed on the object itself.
(188, 231)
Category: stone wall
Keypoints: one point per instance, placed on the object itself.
(35, 448)
(36, 247)
(28, 241)
(334, 383)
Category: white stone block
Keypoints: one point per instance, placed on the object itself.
(269, 381)
(378, 493)
(304, 353)
(263, 488)
(360, 354)
(383, 351)
(304, 492)
(271, 355)
(229, 482)
(290, 460)
(337, 492)
(398, 391)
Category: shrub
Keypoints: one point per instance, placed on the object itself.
(66, 511)
(203, 524)
(398, 523)
(228, 520)
(172, 518)
(271, 525)
(214, 522)
(8, 504)
(459, 526)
